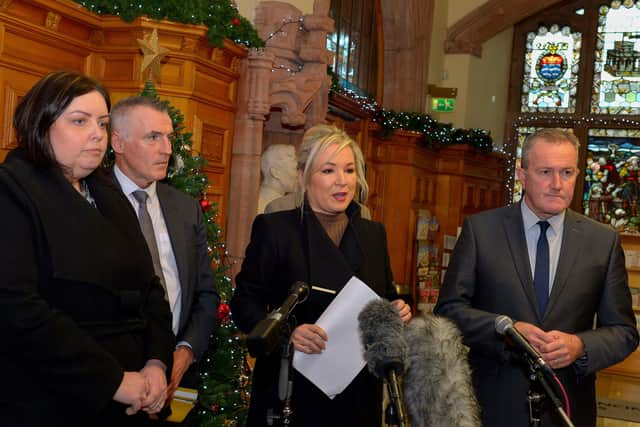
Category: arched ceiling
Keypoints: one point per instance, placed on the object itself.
(469, 33)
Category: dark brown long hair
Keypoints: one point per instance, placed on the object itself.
(42, 106)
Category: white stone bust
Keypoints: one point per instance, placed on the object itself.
(279, 175)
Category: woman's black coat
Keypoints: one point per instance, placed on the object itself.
(291, 246)
(79, 302)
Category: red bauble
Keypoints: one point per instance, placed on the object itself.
(223, 313)
(205, 205)
(235, 22)
(215, 407)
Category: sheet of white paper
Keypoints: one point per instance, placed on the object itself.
(334, 369)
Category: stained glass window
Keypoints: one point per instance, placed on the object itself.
(616, 77)
(550, 77)
(611, 189)
(521, 134)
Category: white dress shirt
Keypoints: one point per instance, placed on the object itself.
(165, 250)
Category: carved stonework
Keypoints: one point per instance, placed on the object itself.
(298, 82)
(53, 21)
(286, 82)
(260, 62)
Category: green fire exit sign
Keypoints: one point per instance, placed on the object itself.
(443, 105)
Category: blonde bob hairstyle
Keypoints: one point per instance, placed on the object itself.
(315, 141)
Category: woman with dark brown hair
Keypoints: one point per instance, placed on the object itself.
(87, 331)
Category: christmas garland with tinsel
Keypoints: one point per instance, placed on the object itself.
(220, 16)
(436, 134)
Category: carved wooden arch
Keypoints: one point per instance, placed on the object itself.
(469, 33)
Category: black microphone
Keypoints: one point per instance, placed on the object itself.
(385, 348)
(266, 335)
(504, 326)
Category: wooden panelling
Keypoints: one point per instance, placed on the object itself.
(173, 73)
(213, 129)
(214, 144)
(42, 53)
(405, 177)
(119, 68)
(119, 37)
(11, 99)
(219, 89)
(39, 36)
(15, 85)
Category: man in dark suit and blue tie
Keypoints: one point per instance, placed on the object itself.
(173, 225)
(558, 274)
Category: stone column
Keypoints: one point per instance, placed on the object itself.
(253, 106)
(287, 82)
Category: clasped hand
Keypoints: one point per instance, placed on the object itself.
(311, 338)
(145, 390)
(557, 348)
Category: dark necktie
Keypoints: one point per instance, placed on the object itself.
(147, 230)
(541, 274)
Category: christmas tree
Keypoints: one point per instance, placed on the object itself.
(224, 376)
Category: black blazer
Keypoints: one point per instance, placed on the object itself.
(188, 234)
(289, 246)
(79, 303)
(490, 274)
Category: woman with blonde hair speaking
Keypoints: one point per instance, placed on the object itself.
(324, 242)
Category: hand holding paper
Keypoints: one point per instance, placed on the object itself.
(334, 369)
(309, 339)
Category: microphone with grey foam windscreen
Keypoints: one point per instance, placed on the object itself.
(385, 348)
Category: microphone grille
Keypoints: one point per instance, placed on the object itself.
(301, 289)
(503, 323)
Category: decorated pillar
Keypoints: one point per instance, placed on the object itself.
(285, 84)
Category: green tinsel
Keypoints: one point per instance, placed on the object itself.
(436, 134)
(335, 80)
(220, 16)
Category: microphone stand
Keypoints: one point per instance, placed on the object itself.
(285, 378)
(275, 330)
(395, 413)
(285, 387)
(535, 399)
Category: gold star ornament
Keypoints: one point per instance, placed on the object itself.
(153, 54)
